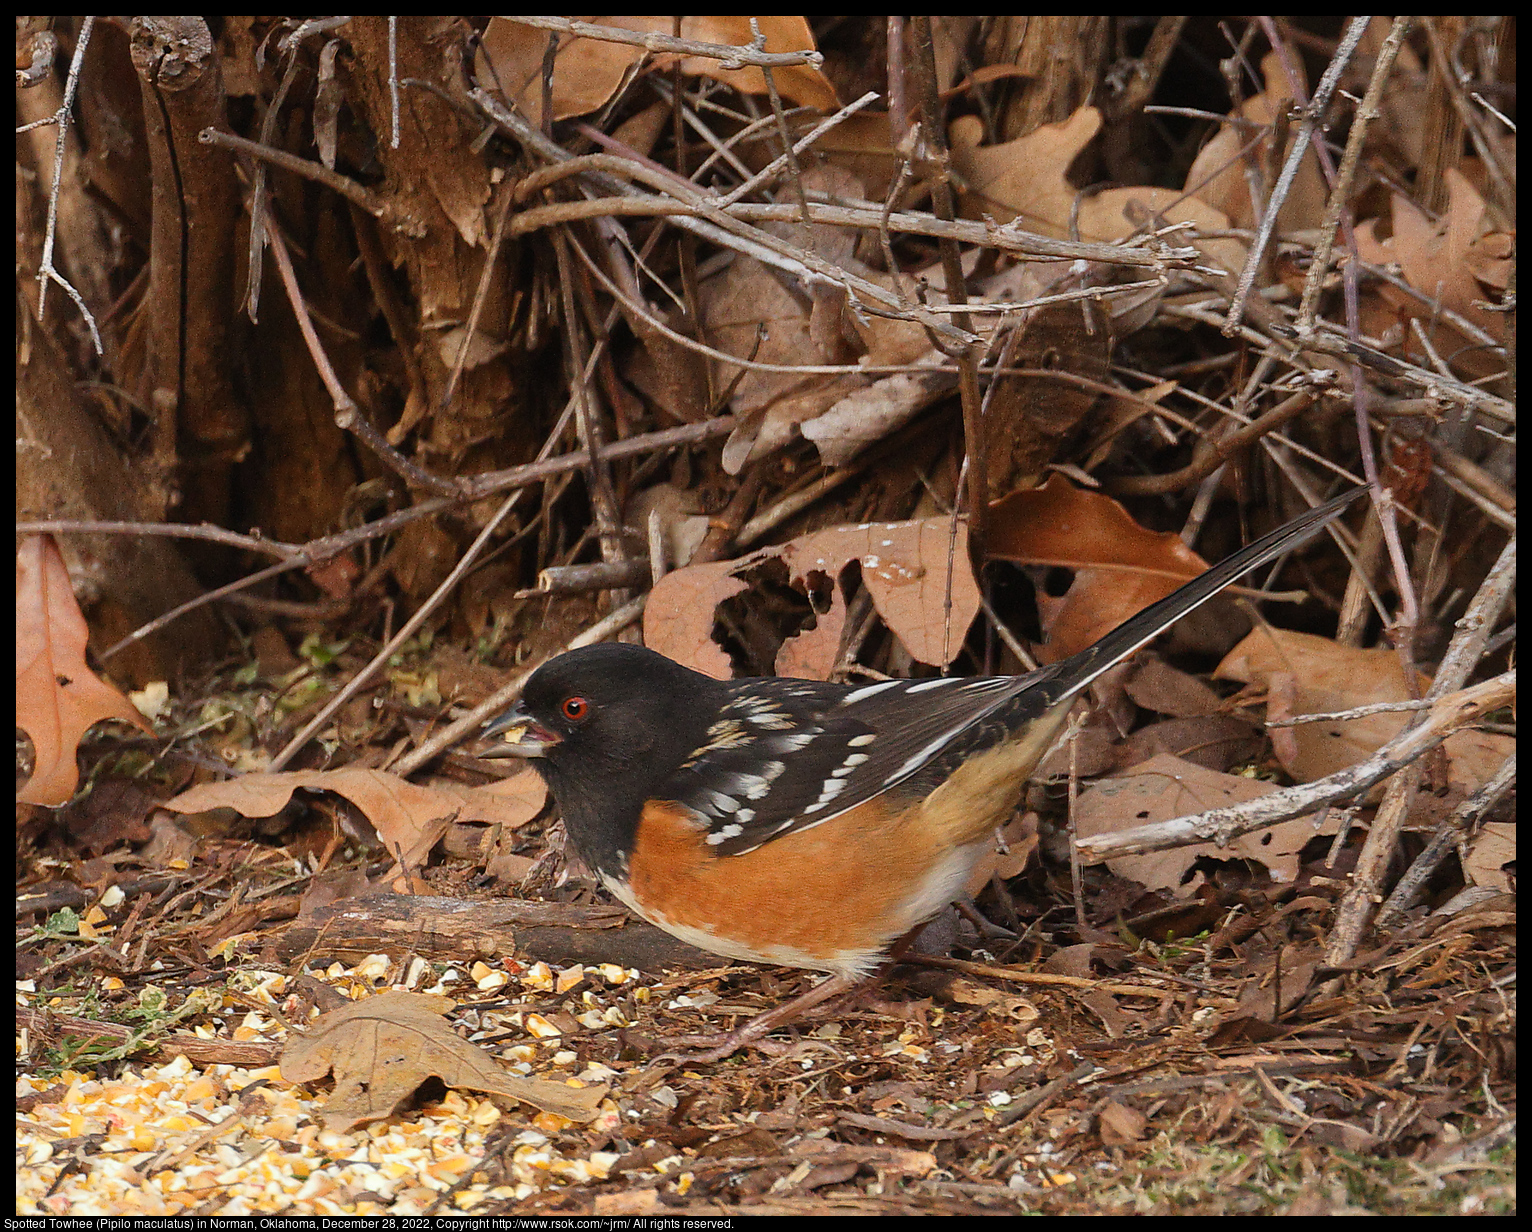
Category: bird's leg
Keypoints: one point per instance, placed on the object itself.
(722, 1045)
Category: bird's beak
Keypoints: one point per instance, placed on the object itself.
(520, 735)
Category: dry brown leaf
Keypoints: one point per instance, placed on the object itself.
(1025, 179)
(997, 1001)
(678, 619)
(1490, 851)
(1020, 839)
(381, 1050)
(1294, 975)
(671, 376)
(863, 144)
(58, 697)
(1121, 1124)
(1022, 179)
(1120, 568)
(904, 567)
(1325, 676)
(409, 819)
(1027, 418)
(1218, 177)
(1215, 741)
(587, 72)
(750, 313)
(1445, 261)
(1164, 788)
(1155, 685)
(869, 413)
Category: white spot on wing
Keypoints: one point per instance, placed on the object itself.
(863, 693)
(919, 759)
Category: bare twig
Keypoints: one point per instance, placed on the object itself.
(788, 156)
(730, 56)
(1505, 190)
(348, 416)
(1351, 712)
(393, 82)
(1434, 385)
(1220, 826)
(1371, 107)
(789, 151)
(1313, 112)
(1219, 451)
(1452, 829)
(1463, 654)
(933, 133)
(46, 273)
(480, 294)
(320, 174)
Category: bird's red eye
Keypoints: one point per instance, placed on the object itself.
(575, 709)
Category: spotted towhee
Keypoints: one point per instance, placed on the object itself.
(802, 823)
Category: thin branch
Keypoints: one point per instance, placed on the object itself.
(788, 157)
(348, 416)
(406, 631)
(393, 81)
(1340, 192)
(985, 234)
(1216, 453)
(46, 273)
(1312, 113)
(1222, 826)
(348, 188)
(1452, 829)
(730, 57)
(1463, 655)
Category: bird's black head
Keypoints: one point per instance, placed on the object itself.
(608, 725)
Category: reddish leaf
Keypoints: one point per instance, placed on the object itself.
(57, 696)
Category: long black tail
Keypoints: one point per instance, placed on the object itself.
(1075, 673)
